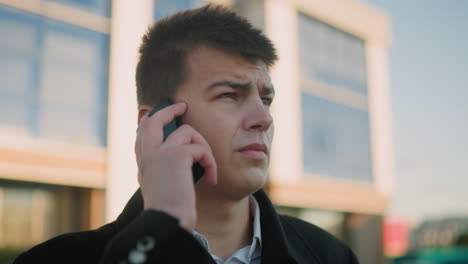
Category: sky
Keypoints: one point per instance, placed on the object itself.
(429, 81)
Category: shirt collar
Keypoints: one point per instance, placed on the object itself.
(256, 246)
(257, 230)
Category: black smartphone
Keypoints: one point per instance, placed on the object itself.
(197, 169)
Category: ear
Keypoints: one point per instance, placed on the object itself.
(143, 110)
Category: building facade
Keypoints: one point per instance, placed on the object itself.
(68, 113)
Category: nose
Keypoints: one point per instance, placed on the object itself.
(257, 116)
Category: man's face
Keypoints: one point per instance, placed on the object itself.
(228, 100)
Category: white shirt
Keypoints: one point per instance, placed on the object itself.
(247, 255)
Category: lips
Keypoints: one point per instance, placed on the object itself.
(255, 147)
(255, 151)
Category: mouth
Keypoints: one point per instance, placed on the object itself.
(255, 151)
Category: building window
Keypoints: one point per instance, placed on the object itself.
(163, 8)
(19, 35)
(332, 56)
(335, 139)
(331, 221)
(55, 77)
(32, 213)
(335, 117)
(98, 7)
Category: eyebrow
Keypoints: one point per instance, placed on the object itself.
(266, 89)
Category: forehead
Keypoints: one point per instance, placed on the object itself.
(204, 64)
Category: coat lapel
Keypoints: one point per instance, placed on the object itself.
(275, 248)
(131, 210)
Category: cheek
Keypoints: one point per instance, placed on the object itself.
(271, 131)
(218, 132)
(268, 136)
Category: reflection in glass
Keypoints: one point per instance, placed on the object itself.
(163, 8)
(336, 139)
(54, 79)
(98, 7)
(331, 221)
(32, 213)
(332, 56)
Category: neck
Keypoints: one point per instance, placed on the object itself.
(227, 225)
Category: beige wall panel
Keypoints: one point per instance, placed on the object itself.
(63, 13)
(39, 160)
(130, 20)
(380, 118)
(330, 195)
(286, 156)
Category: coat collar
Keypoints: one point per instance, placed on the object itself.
(275, 248)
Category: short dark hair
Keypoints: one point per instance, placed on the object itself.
(161, 66)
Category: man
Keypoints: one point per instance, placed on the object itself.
(214, 65)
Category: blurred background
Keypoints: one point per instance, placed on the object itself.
(370, 118)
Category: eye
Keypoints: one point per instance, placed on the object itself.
(228, 95)
(267, 101)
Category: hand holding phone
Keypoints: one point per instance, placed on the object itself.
(197, 169)
(166, 153)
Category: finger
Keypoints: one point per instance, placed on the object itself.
(185, 134)
(138, 148)
(150, 137)
(151, 128)
(138, 155)
(168, 113)
(203, 155)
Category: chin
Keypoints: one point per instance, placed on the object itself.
(236, 184)
(245, 184)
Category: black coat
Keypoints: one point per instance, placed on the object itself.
(285, 239)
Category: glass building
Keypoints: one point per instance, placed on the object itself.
(68, 114)
(54, 63)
